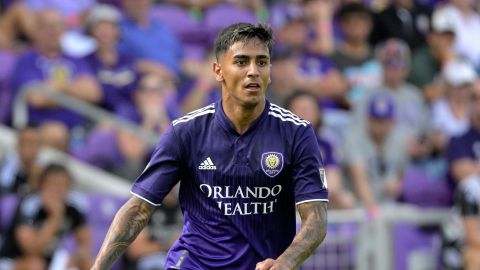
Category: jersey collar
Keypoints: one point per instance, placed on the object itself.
(222, 119)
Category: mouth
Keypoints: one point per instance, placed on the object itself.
(252, 87)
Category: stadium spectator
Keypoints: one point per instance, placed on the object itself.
(18, 170)
(123, 152)
(46, 67)
(18, 23)
(354, 57)
(428, 60)
(404, 19)
(115, 70)
(150, 41)
(450, 114)
(42, 220)
(305, 105)
(319, 16)
(375, 154)
(149, 250)
(464, 159)
(411, 110)
(466, 21)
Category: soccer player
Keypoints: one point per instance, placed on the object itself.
(243, 164)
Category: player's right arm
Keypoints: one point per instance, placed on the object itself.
(127, 224)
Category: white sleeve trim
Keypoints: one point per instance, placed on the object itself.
(150, 202)
(313, 200)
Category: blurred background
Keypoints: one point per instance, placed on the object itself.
(390, 86)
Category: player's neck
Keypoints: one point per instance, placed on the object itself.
(240, 116)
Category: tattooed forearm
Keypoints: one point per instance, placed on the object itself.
(128, 223)
(312, 233)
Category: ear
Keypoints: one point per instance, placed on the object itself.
(217, 69)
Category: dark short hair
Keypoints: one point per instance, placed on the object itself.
(243, 32)
(353, 8)
(53, 168)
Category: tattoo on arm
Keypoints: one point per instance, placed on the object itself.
(312, 233)
(127, 224)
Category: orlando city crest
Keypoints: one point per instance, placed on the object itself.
(272, 163)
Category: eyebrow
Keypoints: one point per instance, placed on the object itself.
(242, 56)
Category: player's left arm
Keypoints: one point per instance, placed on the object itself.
(313, 231)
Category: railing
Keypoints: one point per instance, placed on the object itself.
(88, 178)
(20, 111)
(369, 246)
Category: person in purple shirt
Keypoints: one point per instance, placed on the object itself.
(47, 67)
(463, 156)
(115, 70)
(244, 165)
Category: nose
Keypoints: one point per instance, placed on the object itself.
(253, 70)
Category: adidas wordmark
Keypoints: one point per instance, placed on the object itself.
(207, 164)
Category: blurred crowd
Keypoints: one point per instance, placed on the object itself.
(390, 86)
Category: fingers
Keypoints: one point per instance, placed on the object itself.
(265, 265)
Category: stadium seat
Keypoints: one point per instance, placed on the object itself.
(7, 60)
(179, 20)
(8, 206)
(222, 15)
(423, 188)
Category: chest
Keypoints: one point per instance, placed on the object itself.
(256, 159)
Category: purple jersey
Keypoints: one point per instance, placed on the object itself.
(33, 67)
(238, 192)
(464, 146)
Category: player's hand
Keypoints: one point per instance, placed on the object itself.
(271, 264)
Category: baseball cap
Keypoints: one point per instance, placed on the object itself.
(102, 12)
(442, 22)
(381, 106)
(459, 72)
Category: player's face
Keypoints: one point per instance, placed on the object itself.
(244, 71)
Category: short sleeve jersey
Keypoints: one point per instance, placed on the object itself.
(237, 192)
(30, 212)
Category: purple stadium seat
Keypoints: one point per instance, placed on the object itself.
(8, 206)
(221, 15)
(408, 238)
(180, 22)
(423, 189)
(7, 64)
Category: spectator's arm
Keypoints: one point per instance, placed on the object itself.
(472, 234)
(322, 16)
(360, 181)
(85, 88)
(33, 241)
(338, 196)
(143, 246)
(145, 66)
(84, 240)
(198, 96)
(330, 85)
(464, 167)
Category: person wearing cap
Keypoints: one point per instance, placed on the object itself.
(463, 156)
(115, 70)
(450, 114)
(428, 60)
(466, 22)
(412, 113)
(375, 154)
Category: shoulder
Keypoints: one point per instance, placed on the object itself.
(78, 202)
(30, 205)
(285, 117)
(192, 119)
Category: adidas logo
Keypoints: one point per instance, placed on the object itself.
(207, 164)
